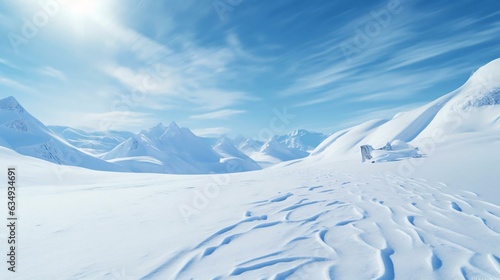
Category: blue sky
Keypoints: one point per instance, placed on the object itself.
(229, 66)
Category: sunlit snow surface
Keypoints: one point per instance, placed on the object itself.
(303, 220)
(327, 216)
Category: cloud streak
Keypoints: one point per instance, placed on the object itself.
(391, 67)
(222, 114)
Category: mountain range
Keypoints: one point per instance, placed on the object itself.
(472, 109)
(23, 133)
(160, 149)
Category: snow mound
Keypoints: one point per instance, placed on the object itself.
(395, 151)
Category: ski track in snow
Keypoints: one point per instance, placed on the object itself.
(390, 228)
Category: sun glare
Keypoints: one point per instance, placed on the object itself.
(83, 8)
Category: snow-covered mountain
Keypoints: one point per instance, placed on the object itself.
(175, 150)
(94, 142)
(23, 133)
(473, 108)
(249, 146)
(231, 155)
(295, 145)
(302, 139)
(273, 152)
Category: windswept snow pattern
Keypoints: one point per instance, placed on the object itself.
(339, 227)
(296, 222)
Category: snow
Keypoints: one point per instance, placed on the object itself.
(326, 216)
(302, 139)
(176, 150)
(25, 134)
(397, 150)
(250, 145)
(280, 152)
(471, 108)
(310, 220)
(234, 157)
(94, 142)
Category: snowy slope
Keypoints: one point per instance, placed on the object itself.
(95, 142)
(309, 220)
(249, 146)
(169, 149)
(231, 155)
(472, 108)
(272, 152)
(302, 139)
(23, 133)
(323, 217)
(297, 144)
(174, 150)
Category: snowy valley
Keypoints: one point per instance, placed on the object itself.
(300, 206)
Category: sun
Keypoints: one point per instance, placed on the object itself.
(83, 8)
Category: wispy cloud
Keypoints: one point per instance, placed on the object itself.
(211, 131)
(52, 72)
(222, 114)
(389, 68)
(182, 73)
(8, 63)
(121, 120)
(15, 85)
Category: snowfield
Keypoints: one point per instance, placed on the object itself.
(301, 220)
(327, 216)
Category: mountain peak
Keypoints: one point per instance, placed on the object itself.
(173, 125)
(160, 126)
(172, 129)
(223, 140)
(298, 132)
(482, 88)
(10, 103)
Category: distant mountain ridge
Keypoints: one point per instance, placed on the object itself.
(23, 133)
(472, 108)
(95, 142)
(171, 149)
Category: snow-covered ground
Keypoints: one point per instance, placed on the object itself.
(311, 219)
(327, 216)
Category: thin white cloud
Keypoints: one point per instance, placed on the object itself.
(15, 85)
(184, 73)
(222, 114)
(8, 63)
(115, 120)
(52, 72)
(388, 68)
(211, 131)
